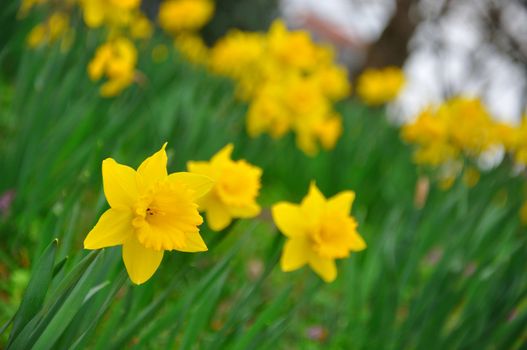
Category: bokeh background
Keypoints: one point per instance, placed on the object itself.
(423, 117)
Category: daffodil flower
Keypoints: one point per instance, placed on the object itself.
(236, 187)
(151, 211)
(318, 231)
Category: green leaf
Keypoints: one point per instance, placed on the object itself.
(36, 291)
(201, 315)
(36, 326)
(81, 293)
(268, 315)
(117, 285)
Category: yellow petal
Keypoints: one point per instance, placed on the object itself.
(315, 202)
(120, 186)
(341, 202)
(295, 254)
(289, 219)
(200, 184)
(93, 13)
(203, 168)
(140, 262)
(223, 154)
(218, 216)
(324, 267)
(357, 243)
(154, 168)
(194, 243)
(248, 211)
(113, 228)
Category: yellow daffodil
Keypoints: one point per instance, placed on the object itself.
(116, 14)
(458, 127)
(56, 27)
(176, 16)
(140, 27)
(289, 81)
(116, 60)
(379, 86)
(236, 187)
(292, 48)
(150, 212)
(318, 231)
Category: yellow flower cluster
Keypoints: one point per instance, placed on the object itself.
(289, 81)
(379, 86)
(152, 211)
(116, 58)
(182, 19)
(56, 27)
(459, 127)
(120, 17)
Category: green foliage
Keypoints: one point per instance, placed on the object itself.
(448, 276)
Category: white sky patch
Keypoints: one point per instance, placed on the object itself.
(449, 54)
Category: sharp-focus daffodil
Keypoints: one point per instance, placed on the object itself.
(151, 211)
(318, 231)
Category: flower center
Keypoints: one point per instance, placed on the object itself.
(331, 237)
(163, 215)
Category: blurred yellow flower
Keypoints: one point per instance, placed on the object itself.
(116, 60)
(150, 212)
(118, 16)
(431, 134)
(236, 187)
(460, 126)
(379, 86)
(126, 4)
(520, 143)
(329, 130)
(291, 48)
(333, 80)
(54, 28)
(176, 16)
(267, 112)
(318, 231)
(192, 47)
(248, 51)
(471, 128)
(506, 135)
(289, 81)
(140, 27)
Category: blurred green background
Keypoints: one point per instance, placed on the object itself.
(449, 275)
